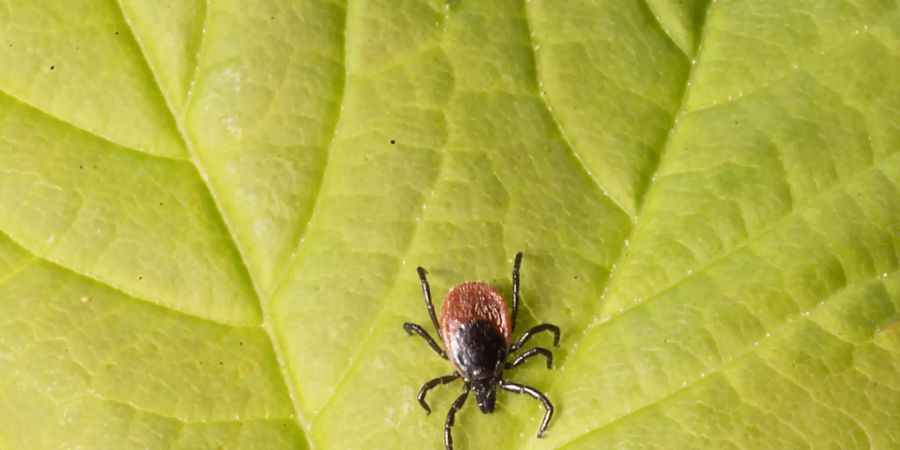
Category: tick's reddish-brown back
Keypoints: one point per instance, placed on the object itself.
(475, 327)
(470, 302)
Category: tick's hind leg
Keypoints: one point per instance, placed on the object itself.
(451, 416)
(534, 330)
(534, 393)
(531, 353)
(431, 384)
(413, 328)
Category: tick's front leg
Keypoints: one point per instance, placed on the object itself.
(413, 328)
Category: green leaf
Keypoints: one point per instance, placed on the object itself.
(212, 212)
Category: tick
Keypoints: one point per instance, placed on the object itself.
(476, 329)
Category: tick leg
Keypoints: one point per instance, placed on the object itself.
(534, 330)
(534, 393)
(515, 290)
(431, 384)
(530, 353)
(413, 328)
(451, 416)
(426, 291)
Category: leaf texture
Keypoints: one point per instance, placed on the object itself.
(212, 212)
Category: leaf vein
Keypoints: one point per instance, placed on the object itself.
(36, 258)
(94, 134)
(791, 321)
(653, 14)
(536, 67)
(752, 239)
(316, 187)
(201, 42)
(364, 342)
(188, 143)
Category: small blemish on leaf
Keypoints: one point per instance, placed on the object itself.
(85, 299)
(140, 277)
(117, 33)
(242, 343)
(221, 363)
(393, 142)
(52, 67)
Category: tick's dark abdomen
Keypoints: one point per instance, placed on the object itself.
(476, 329)
(479, 349)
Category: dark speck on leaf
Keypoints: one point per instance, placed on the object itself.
(242, 343)
(117, 33)
(81, 167)
(160, 203)
(141, 277)
(221, 363)
(52, 67)
(393, 142)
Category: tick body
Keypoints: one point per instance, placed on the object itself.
(476, 329)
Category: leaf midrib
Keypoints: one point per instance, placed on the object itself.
(207, 182)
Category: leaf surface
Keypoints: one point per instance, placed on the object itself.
(213, 211)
